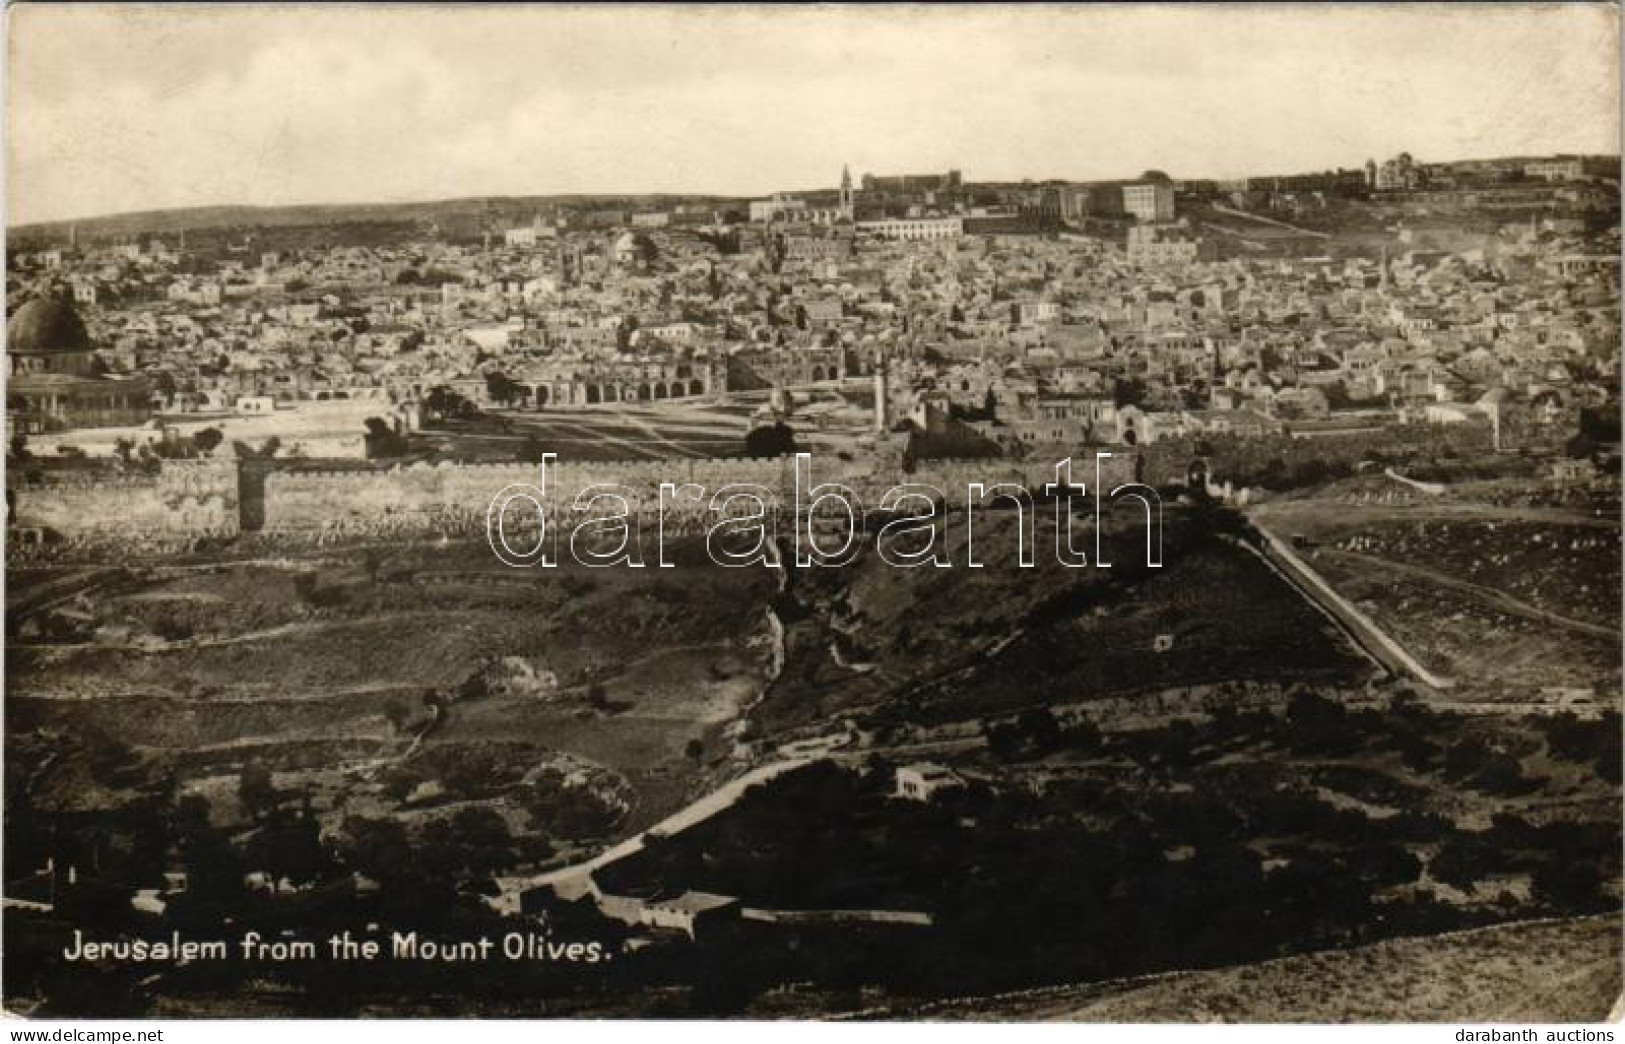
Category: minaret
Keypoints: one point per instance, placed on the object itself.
(846, 191)
(1382, 283)
(880, 391)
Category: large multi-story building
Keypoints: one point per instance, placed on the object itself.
(776, 207)
(1333, 181)
(914, 228)
(528, 235)
(1150, 201)
(1398, 174)
(1562, 168)
(1083, 201)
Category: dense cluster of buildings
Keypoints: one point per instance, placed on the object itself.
(1010, 317)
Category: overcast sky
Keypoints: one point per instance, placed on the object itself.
(130, 109)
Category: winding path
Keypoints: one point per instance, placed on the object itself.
(713, 803)
(1370, 637)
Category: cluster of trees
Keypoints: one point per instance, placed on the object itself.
(1036, 732)
(1598, 431)
(445, 404)
(1595, 743)
(560, 809)
(1278, 474)
(1092, 878)
(1030, 888)
(171, 446)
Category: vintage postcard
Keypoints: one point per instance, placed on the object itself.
(1091, 513)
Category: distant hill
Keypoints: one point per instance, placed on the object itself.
(497, 210)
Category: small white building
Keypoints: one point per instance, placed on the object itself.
(922, 781)
(686, 913)
(255, 405)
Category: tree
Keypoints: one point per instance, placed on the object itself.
(1567, 885)
(1464, 858)
(1038, 724)
(256, 790)
(382, 440)
(444, 402)
(471, 844)
(501, 390)
(1034, 733)
(205, 441)
(694, 750)
(1082, 735)
(372, 561)
(775, 440)
(1130, 391)
(623, 334)
(379, 848)
(289, 844)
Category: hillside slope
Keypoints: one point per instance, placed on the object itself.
(1537, 971)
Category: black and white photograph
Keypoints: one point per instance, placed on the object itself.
(999, 513)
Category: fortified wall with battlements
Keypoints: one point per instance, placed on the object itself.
(222, 498)
(455, 498)
(182, 499)
(190, 498)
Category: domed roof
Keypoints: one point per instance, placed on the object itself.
(47, 324)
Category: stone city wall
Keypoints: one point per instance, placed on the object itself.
(201, 498)
(182, 499)
(1259, 459)
(455, 498)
